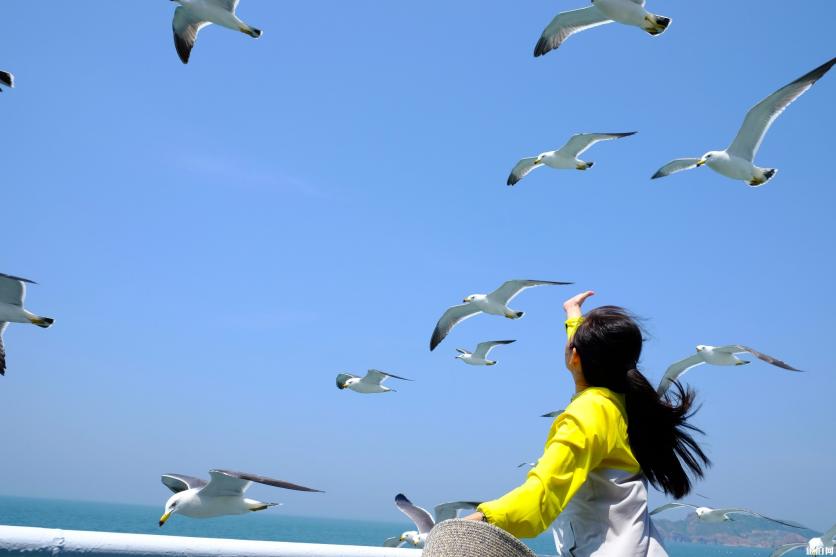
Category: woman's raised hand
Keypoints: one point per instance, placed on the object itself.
(573, 304)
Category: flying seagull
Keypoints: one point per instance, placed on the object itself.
(628, 12)
(480, 356)
(6, 80)
(815, 546)
(223, 494)
(566, 157)
(424, 520)
(738, 160)
(707, 514)
(718, 356)
(495, 303)
(12, 293)
(371, 383)
(193, 15)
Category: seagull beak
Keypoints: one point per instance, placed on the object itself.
(164, 518)
(701, 162)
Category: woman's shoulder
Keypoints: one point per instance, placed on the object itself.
(597, 402)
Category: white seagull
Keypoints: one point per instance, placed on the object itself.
(628, 12)
(6, 80)
(738, 160)
(707, 514)
(12, 293)
(564, 158)
(815, 546)
(223, 494)
(495, 303)
(480, 356)
(193, 15)
(424, 520)
(371, 383)
(718, 356)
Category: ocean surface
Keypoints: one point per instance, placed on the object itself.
(268, 525)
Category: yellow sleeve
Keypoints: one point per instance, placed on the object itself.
(572, 325)
(578, 442)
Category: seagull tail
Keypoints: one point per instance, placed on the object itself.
(43, 322)
(656, 24)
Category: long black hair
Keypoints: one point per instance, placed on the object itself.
(609, 344)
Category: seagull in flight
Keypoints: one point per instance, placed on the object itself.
(371, 383)
(738, 160)
(193, 15)
(627, 12)
(480, 356)
(12, 294)
(718, 356)
(222, 495)
(424, 520)
(815, 546)
(564, 158)
(707, 514)
(495, 303)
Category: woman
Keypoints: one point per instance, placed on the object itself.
(615, 436)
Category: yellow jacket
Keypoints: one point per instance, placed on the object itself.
(591, 433)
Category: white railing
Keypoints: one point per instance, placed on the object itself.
(34, 542)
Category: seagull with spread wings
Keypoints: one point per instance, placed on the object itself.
(424, 520)
(564, 158)
(627, 12)
(222, 495)
(495, 303)
(707, 514)
(6, 80)
(738, 160)
(371, 383)
(193, 15)
(12, 294)
(480, 356)
(718, 356)
(815, 546)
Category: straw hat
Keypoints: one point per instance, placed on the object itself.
(467, 538)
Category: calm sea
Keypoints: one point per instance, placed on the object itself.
(269, 525)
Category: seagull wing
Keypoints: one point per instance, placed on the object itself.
(228, 482)
(392, 542)
(568, 23)
(669, 506)
(735, 348)
(452, 317)
(509, 290)
(675, 166)
(522, 169)
(3, 325)
(761, 116)
(228, 5)
(446, 511)
(554, 414)
(784, 549)
(180, 482)
(580, 142)
(7, 79)
(753, 513)
(422, 519)
(13, 289)
(185, 32)
(676, 370)
(484, 348)
(376, 377)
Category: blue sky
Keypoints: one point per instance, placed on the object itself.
(217, 241)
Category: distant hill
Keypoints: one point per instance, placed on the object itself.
(742, 531)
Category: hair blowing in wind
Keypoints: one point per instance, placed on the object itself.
(609, 344)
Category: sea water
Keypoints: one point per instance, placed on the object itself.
(271, 525)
